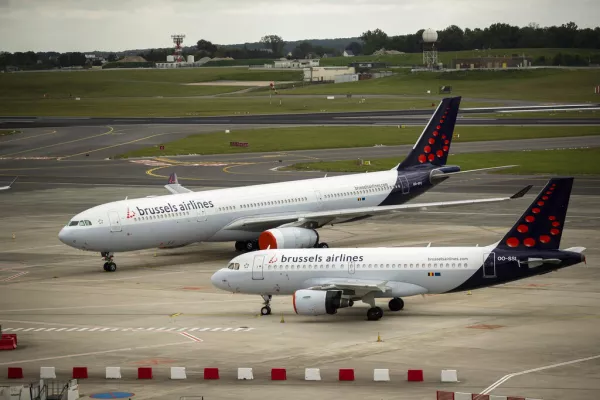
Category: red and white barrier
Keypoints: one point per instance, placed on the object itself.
(441, 395)
(449, 375)
(8, 341)
(113, 372)
(312, 374)
(211, 373)
(80, 373)
(47, 373)
(278, 374)
(178, 373)
(346, 374)
(15, 373)
(381, 375)
(245, 374)
(415, 375)
(144, 373)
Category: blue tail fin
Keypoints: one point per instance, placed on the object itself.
(542, 224)
(433, 145)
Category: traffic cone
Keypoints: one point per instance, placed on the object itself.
(379, 338)
(469, 293)
(282, 320)
(14, 236)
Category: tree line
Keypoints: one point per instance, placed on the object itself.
(496, 36)
(48, 60)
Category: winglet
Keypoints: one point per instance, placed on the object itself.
(173, 179)
(521, 192)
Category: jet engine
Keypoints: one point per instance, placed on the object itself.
(288, 238)
(318, 302)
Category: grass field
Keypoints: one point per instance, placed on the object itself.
(329, 137)
(547, 162)
(179, 107)
(549, 85)
(130, 83)
(7, 132)
(539, 114)
(446, 57)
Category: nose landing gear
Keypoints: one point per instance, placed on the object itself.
(266, 310)
(109, 264)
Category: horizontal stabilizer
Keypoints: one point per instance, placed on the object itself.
(576, 249)
(441, 175)
(541, 260)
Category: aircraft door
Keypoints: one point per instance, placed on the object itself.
(404, 183)
(351, 267)
(257, 267)
(489, 265)
(115, 221)
(319, 199)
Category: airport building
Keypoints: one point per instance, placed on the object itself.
(492, 62)
(328, 74)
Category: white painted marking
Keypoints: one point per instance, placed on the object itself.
(227, 329)
(170, 329)
(17, 362)
(72, 329)
(507, 377)
(16, 329)
(94, 329)
(203, 329)
(60, 329)
(160, 329)
(149, 329)
(104, 329)
(82, 329)
(181, 330)
(123, 305)
(40, 329)
(50, 329)
(12, 277)
(194, 329)
(114, 329)
(215, 329)
(28, 329)
(192, 337)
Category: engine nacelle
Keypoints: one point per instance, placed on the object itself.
(318, 302)
(288, 238)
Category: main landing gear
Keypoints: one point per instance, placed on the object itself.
(266, 310)
(109, 265)
(396, 304)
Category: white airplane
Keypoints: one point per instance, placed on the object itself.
(279, 215)
(322, 281)
(9, 185)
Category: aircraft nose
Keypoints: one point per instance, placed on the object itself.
(66, 236)
(218, 279)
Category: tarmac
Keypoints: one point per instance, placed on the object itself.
(67, 312)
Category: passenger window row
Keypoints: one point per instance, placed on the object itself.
(274, 202)
(368, 266)
(161, 216)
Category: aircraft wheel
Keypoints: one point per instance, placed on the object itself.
(374, 314)
(106, 266)
(323, 245)
(396, 304)
(266, 310)
(251, 245)
(350, 303)
(112, 267)
(239, 246)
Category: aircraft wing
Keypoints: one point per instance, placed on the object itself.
(174, 187)
(320, 218)
(362, 287)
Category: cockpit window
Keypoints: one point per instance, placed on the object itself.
(234, 266)
(80, 223)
